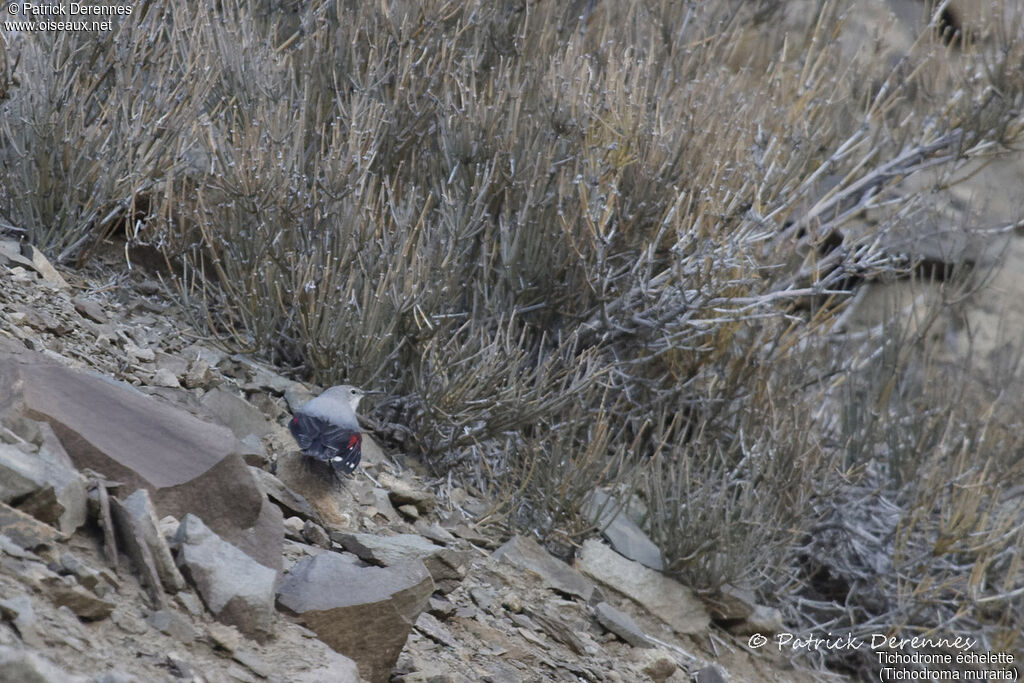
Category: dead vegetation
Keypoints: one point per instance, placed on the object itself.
(580, 244)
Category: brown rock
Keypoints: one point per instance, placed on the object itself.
(186, 464)
(83, 603)
(365, 613)
(89, 308)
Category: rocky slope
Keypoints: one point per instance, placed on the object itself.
(158, 524)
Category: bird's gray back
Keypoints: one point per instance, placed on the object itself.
(331, 409)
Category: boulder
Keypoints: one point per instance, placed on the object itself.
(186, 464)
(365, 613)
(238, 590)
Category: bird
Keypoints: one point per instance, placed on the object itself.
(327, 430)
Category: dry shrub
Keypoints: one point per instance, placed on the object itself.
(96, 124)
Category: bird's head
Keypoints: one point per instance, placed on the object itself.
(348, 394)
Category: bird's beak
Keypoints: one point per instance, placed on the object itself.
(374, 392)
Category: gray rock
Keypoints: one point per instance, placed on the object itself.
(766, 620)
(253, 662)
(173, 624)
(732, 603)
(48, 491)
(402, 492)
(409, 511)
(89, 308)
(235, 588)
(9, 547)
(709, 674)
(21, 666)
(433, 629)
(86, 575)
(186, 464)
(287, 499)
(225, 637)
(434, 532)
(140, 535)
(315, 534)
(668, 600)
(525, 553)
(198, 375)
(262, 376)
(337, 669)
(24, 530)
(234, 412)
(293, 528)
(447, 567)
(625, 536)
(622, 625)
(382, 503)
(365, 613)
(18, 610)
(114, 677)
(657, 664)
(50, 447)
(386, 550)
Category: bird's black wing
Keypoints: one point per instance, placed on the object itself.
(340, 447)
(345, 448)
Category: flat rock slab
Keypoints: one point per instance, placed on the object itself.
(626, 537)
(669, 600)
(365, 613)
(386, 550)
(525, 553)
(446, 566)
(622, 625)
(186, 464)
(238, 590)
